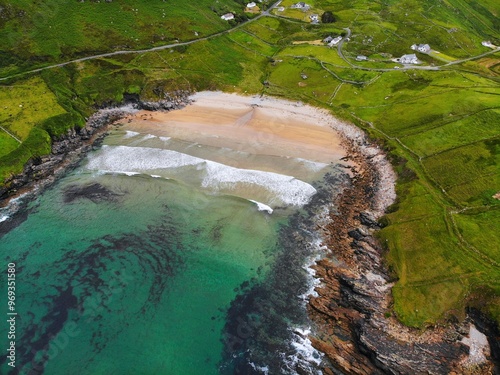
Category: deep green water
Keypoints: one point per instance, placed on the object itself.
(133, 274)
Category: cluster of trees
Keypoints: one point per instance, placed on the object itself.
(328, 17)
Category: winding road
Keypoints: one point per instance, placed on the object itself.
(406, 67)
(159, 48)
(263, 14)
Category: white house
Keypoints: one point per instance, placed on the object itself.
(328, 39)
(487, 43)
(227, 16)
(314, 18)
(361, 58)
(300, 5)
(335, 41)
(424, 48)
(251, 5)
(409, 59)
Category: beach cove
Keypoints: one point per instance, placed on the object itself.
(161, 234)
(233, 236)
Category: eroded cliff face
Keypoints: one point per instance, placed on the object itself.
(355, 326)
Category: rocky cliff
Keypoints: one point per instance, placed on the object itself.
(356, 328)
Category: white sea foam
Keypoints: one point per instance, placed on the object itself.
(304, 346)
(13, 206)
(317, 253)
(165, 139)
(262, 206)
(213, 176)
(130, 134)
(148, 136)
(138, 159)
(305, 354)
(263, 369)
(125, 173)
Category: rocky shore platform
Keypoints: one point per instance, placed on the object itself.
(355, 325)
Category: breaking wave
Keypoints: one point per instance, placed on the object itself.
(217, 177)
(262, 206)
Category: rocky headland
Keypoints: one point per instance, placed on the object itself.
(356, 328)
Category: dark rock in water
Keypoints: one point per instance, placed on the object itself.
(94, 192)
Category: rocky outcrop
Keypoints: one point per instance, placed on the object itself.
(355, 326)
(68, 149)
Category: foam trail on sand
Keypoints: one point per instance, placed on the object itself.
(312, 165)
(211, 175)
(130, 134)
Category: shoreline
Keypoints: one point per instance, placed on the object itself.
(67, 151)
(353, 310)
(354, 296)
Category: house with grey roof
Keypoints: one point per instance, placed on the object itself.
(488, 44)
(227, 16)
(335, 41)
(300, 5)
(424, 48)
(408, 59)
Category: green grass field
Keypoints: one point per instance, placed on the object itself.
(441, 127)
(55, 30)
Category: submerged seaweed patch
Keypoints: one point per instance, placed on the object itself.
(261, 321)
(88, 284)
(94, 192)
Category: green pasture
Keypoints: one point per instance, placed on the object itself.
(455, 132)
(56, 30)
(469, 174)
(320, 52)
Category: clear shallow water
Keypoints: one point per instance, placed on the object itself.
(150, 259)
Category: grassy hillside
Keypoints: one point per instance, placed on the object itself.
(441, 127)
(46, 31)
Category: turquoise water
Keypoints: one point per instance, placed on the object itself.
(143, 260)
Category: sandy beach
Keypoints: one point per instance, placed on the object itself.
(249, 124)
